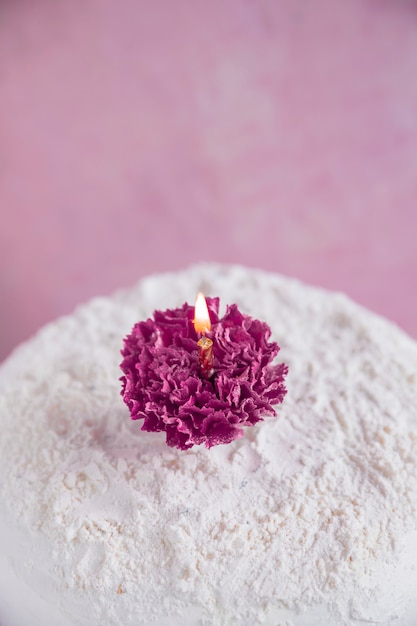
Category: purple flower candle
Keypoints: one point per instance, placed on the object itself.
(175, 386)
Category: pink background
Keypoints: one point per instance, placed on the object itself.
(142, 136)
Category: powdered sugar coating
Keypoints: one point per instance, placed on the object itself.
(305, 511)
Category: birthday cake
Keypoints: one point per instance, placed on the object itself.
(309, 519)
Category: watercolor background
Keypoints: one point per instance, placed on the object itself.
(141, 136)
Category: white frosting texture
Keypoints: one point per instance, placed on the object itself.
(310, 519)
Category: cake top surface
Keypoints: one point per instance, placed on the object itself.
(295, 511)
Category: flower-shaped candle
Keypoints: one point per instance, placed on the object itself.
(201, 389)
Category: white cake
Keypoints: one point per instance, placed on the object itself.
(308, 520)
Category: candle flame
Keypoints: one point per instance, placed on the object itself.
(201, 315)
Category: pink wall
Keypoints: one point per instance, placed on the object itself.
(142, 136)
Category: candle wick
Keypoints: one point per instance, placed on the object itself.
(205, 356)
